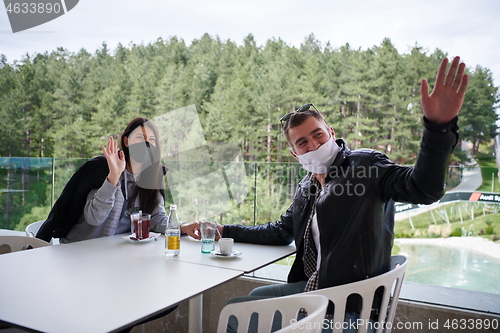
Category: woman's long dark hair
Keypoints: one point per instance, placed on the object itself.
(148, 196)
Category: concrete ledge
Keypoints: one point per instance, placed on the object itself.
(419, 317)
(459, 299)
(426, 308)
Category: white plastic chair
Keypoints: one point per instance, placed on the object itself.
(32, 230)
(288, 306)
(10, 244)
(391, 281)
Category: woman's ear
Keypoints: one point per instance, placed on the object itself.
(125, 141)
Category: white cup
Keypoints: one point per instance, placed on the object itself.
(226, 245)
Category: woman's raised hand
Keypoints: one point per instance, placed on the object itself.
(116, 161)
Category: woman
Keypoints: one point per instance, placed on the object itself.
(134, 180)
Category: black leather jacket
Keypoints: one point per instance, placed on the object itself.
(355, 210)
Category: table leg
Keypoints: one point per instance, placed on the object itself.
(195, 314)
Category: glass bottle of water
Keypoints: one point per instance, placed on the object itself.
(173, 234)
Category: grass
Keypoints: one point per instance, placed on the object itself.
(474, 219)
(395, 249)
(489, 172)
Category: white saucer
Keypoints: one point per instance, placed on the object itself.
(233, 254)
(152, 236)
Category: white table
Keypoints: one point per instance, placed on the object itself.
(252, 256)
(5, 232)
(106, 284)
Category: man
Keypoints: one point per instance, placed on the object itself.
(342, 215)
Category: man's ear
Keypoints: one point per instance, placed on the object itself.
(333, 132)
(294, 154)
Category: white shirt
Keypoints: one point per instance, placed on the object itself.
(315, 234)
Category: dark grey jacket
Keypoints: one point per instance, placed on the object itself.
(355, 211)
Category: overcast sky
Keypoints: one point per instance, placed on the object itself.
(467, 28)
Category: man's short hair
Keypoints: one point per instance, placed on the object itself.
(298, 118)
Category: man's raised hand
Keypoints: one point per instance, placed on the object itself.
(446, 99)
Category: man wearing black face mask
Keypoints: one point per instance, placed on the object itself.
(342, 216)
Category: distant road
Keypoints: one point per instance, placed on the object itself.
(471, 180)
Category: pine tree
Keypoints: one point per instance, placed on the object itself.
(478, 118)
